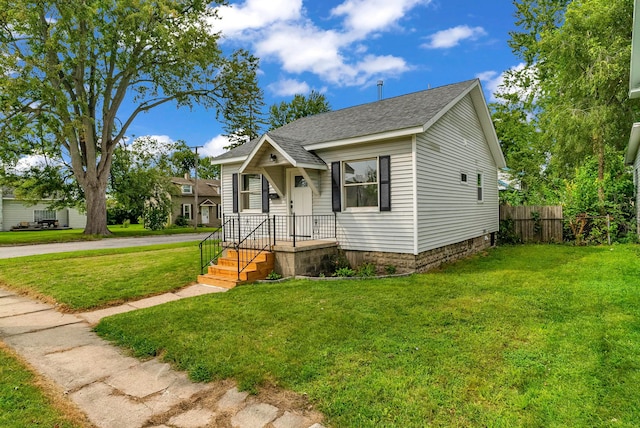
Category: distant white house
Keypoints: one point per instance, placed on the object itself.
(14, 212)
(410, 181)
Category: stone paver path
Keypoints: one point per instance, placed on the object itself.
(118, 391)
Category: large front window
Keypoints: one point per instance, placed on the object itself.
(251, 192)
(360, 183)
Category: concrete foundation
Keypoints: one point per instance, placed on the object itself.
(307, 259)
(406, 263)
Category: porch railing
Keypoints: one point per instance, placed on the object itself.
(250, 247)
(212, 247)
(256, 233)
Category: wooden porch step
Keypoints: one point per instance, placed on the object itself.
(225, 273)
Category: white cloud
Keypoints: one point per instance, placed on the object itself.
(288, 87)
(500, 83)
(215, 146)
(366, 16)
(280, 32)
(453, 36)
(25, 163)
(255, 14)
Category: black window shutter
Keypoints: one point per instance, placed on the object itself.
(265, 194)
(385, 183)
(335, 187)
(234, 187)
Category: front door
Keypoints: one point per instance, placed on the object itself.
(204, 211)
(300, 205)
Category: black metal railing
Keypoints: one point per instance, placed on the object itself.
(250, 235)
(212, 247)
(251, 246)
(296, 228)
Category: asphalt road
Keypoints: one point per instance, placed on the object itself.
(31, 250)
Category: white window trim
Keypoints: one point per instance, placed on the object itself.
(242, 192)
(480, 185)
(189, 192)
(184, 211)
(344, 186)
(466, 181)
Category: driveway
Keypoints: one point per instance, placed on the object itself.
(31, 250)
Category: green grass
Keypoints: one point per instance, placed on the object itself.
(70, 235)
(22, 401)
(531, 336)
(86, 280)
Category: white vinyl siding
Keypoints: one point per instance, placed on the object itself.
(372, 230)
(449, 211)
(14, 212)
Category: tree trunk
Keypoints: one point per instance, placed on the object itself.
(601, 162)
(96, 198)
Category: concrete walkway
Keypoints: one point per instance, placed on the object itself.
(118, 391)
(31, 250)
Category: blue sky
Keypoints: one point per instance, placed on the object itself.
(343, 47)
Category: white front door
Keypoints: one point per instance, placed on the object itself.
(300, 204)
(204, 212)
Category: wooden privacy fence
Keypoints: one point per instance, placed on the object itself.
(533, 223)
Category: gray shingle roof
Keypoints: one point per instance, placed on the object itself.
(390, 114)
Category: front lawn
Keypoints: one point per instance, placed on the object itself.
(524, 336)
(85, 280)
(23, 402)
(70, 235)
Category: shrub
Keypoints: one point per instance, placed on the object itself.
(181, 221)
(344, 272)
(367, 269)
(390, 269)
(273, 275)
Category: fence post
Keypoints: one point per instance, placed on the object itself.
(274, 231)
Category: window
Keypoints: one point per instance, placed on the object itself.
(40, 215)
(187, 189)
(186, 211)
(360, 183)
(480, 187)
(463, 177)
(251, 192)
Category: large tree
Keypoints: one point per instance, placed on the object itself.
(579, 53)
(74, 75)
(300, 106)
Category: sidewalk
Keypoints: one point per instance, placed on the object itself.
(118, 391)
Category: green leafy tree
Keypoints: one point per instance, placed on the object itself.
(139, 174)
(579, 53)
(300, 106)
(242, 115)
(67, 68)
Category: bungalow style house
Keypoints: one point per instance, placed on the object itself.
(632, 156)
(17, 214)
(184, 200)
(409, 182)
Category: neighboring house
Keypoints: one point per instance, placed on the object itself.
(15, 212)
(632, 155)
(410, 181)
(184, 201)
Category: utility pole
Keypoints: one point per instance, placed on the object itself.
(195, 191)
